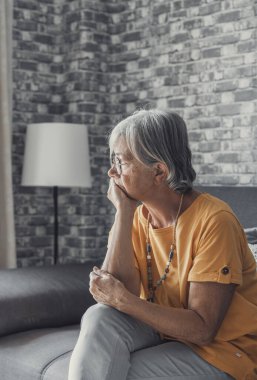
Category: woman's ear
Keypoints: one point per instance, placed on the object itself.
(161, 172)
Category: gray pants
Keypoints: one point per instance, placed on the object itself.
(115, 346)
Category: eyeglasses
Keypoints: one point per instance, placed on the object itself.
(116, 162)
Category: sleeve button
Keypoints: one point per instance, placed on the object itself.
(225, 270)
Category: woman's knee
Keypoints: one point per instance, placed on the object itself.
(98, 314)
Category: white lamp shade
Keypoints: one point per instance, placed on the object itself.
(56, 154)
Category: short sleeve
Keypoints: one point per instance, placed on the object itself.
(219, 255)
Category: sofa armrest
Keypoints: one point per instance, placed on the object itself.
(38, 297)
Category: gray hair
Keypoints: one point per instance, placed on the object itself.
(158, 136)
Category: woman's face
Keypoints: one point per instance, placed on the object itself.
(132, 176)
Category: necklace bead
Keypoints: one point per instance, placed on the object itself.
(171, 254)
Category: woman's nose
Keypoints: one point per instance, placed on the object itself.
(112, 172)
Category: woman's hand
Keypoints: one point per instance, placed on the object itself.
(120, 198)
(106, 289)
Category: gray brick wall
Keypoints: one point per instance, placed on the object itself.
(198, 58)
(61, 52)
(94, 62)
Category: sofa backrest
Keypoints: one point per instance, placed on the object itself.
(37, 297)
(243, 201)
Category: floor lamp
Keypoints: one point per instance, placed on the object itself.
(56, 154)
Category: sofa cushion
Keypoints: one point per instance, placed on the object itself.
(59, 368)
(38, 354)
(41, 297)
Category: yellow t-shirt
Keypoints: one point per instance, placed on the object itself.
(209, 238)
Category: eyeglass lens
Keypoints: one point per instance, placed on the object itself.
(115, 161)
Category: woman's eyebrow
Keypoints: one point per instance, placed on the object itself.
(125, 155)
(121, 154)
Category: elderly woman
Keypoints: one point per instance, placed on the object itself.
(177, 292)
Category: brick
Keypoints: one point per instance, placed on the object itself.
(193, 24)
(74, 242)
(228, 109)
(87, 107)
(90, 47)
(43, 57)
(73, 17)
(209, 9)
(228, 16)
(40, 241)
(40, 98)
(191, 3)
(42, 118)
(23, 4)
(179, 37)
(247, 71)
(159, 9)
(102, 38)
(223, 134)
(117, 29)
(228, 157)
(144, 63)
(209, 146)
(209, 123)
(28, 25)
(247, 46)
(133, 36)
(57, 109)
(210, 31)
(27, 65)
(130, 56)
(229, 85)
(245, 95)
(195, 136)
(176, 103)
(227, 180)
(229, 39)
(247, 107)
(115, 8)
(128, 98)
(87, 231)
(209, 169)
(211, 52)
(197, 158)
(87, 15)
(44, 39)
(171, 81)
(118, 67)
(102, 17)
(57, 68)
(217, 180)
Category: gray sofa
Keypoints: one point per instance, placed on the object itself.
(41, 308)
(40, 312)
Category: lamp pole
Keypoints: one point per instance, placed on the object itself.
(56, 225)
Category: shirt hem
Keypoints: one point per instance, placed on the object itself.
(242, 375)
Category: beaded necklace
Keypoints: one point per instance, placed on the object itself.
(152, 288)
